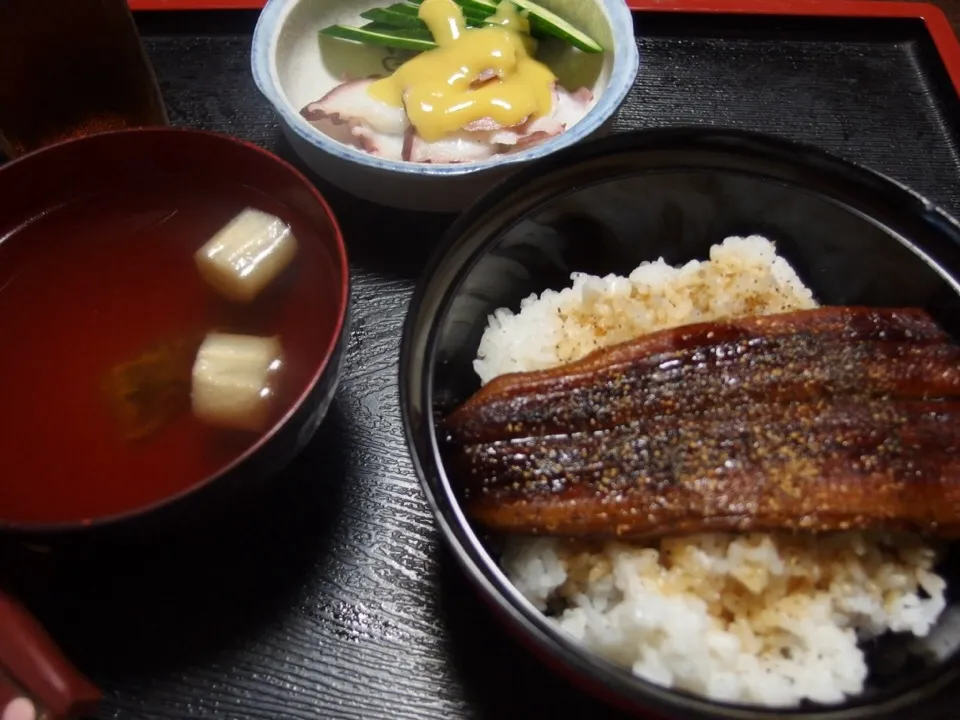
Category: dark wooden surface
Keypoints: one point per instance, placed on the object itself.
(952, 9)
(332, 595)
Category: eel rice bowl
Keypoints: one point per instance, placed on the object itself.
(762, 618)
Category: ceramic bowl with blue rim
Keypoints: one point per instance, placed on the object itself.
(294, 66)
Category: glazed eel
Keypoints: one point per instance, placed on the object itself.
(829, 419)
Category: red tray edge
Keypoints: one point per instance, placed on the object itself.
(944, 38)
(938, 25)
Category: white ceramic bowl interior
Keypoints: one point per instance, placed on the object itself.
(293, 66)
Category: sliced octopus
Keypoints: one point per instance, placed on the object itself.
(349, 114)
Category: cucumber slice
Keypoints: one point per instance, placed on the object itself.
(473, 17)
(422, 33)
(399, 25)
(482, 11)
(386, 16)
(385, 36)
(543, 22)
(393, 16)
(476, 8)
(551, 23)
(406, 8)
(484, 7)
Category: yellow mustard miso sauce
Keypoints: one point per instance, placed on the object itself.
(440, 99)
(508, 15)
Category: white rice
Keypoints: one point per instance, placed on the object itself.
(744, 276)
(760, 619)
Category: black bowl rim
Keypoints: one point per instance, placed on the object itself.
(621, 687)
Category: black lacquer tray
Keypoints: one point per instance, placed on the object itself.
(332, 597)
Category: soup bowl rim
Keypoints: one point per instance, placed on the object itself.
(337, 247)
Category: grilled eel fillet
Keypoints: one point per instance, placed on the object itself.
(829, 419)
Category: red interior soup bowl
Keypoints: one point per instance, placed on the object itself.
(110, 319)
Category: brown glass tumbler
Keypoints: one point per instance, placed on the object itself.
(70, 68)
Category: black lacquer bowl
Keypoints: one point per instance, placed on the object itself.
(604, 207)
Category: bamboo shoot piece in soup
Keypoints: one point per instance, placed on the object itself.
(227, 378)
(234, 380)
(247, 255)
